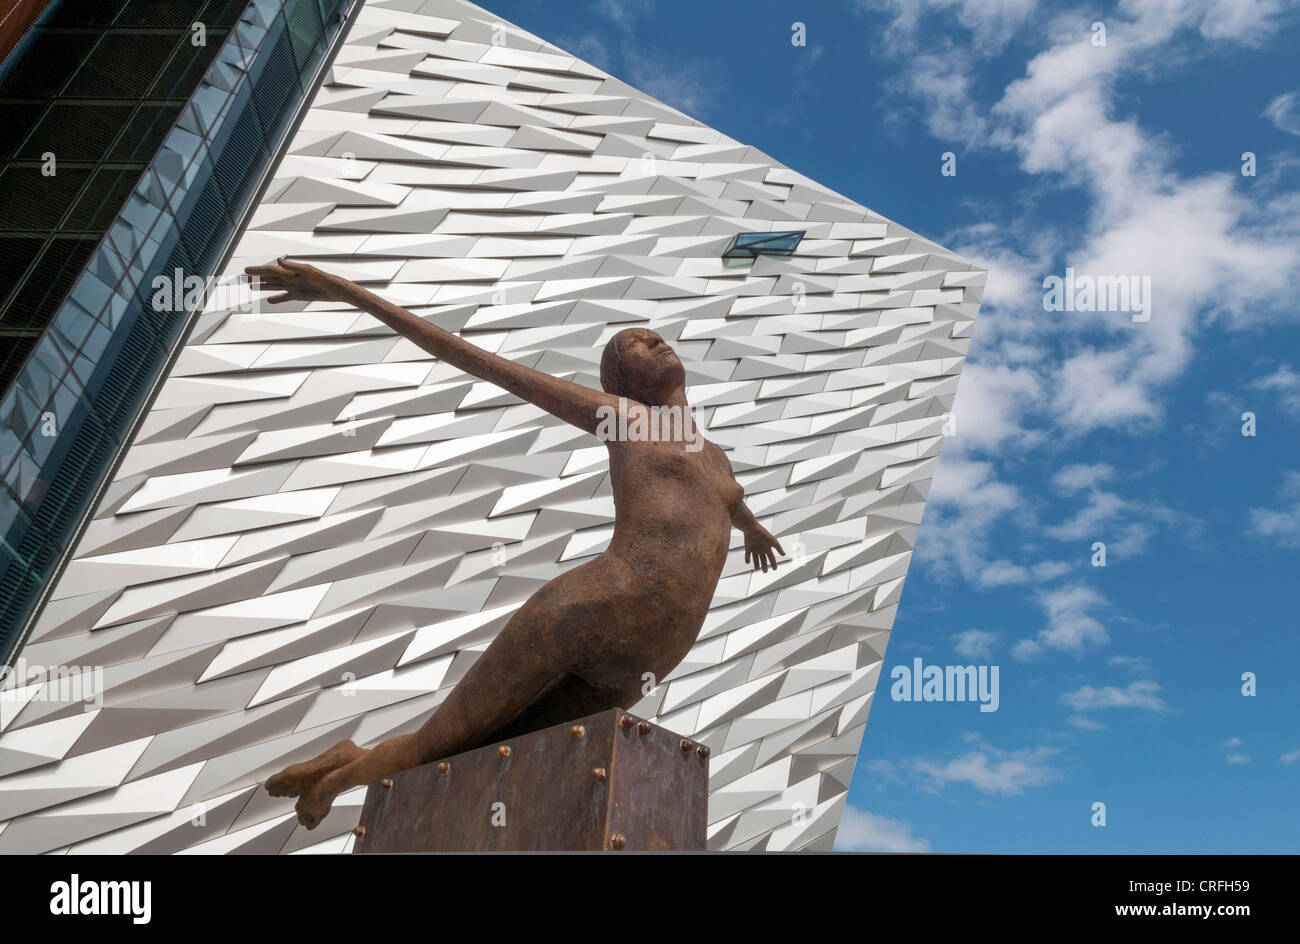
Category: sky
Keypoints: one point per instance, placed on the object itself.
(1158, 141)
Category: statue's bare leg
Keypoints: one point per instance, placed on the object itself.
(292, 781)
(521, 682)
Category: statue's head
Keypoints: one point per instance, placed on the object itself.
(640, 365)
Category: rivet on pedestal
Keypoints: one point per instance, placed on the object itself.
(359, 831)
(686, 746)
(386, 783)
(643, 727)
(578, 732)
(598, 774)
(617, 841)
(626, 722)
(703, 752)
(504, 750)
(444, 768)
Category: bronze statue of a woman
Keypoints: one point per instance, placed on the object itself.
(583, 642)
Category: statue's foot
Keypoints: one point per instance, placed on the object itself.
(299, 779)
(315, 803)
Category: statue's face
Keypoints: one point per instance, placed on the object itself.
(650, 364)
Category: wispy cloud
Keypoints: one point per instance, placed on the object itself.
(1123, 525)
(861, 831)
(687, 84)
(692, 85)
(1284, 383)
(965, 502)
(985, 768)
(624, 13)
(1214, 249)
(1284, 112)
(974, 644)
(1281, 524)
(1073, 478)
(1132, 663)
(1235, 755)
(1143, 695)
(1071, 625)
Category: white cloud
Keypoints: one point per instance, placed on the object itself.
(1070, 625)
(1291, 757)
(974, 644)
(591, 48)
(993, 22)
(1073, 478)
(1202, 243)
(1140, 694)
(1249, 21)
(1280, 524)
(1214, 248)
(964, 503)
(1286, 384)
(689, 85)
(1086, 723)
(624, 13)
(992, 403)
(1284, 111)
(1132, 663)
(1015, 282)
(1235, 755)
(1004, 573)
(989, 770)
(1210, 248)
(861, 831)
(964, 506)
(943, 80)
(1123, 525)
(1101, 509)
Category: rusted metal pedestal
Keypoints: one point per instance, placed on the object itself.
(607, 781)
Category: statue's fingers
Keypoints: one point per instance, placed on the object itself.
(746, 554)
(280, 299)
(779, 547)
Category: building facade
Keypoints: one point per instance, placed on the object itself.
(309, 528)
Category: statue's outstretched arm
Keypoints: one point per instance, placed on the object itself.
(571, 402)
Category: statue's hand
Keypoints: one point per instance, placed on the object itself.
(296, 282)
(759, 546)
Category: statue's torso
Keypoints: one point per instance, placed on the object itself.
(671, 535)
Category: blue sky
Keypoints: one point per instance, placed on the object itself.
(1119, 684)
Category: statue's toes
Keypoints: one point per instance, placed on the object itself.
(311, 811)
(282, 785)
